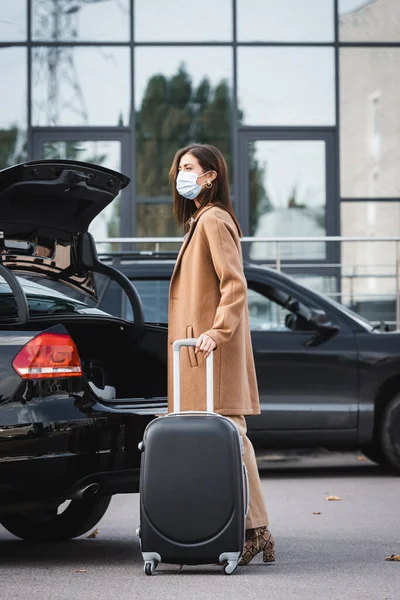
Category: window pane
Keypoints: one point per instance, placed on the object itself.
(13, 106)
(83, 21)
(294, 86)
(369, 268)
(105, 153)
(80, 86)
(287, 184)
(157, 220)
(13, 20)
(182, 94)
(178, 21)
(370, 122)
(285, 20)
(369, 20)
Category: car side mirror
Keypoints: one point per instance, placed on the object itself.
(320, 319)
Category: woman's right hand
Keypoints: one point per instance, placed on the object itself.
(205, 344)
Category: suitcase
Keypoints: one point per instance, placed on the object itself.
(194, 492)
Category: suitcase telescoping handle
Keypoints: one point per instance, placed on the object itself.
(178, 344)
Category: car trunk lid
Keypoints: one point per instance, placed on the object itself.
(44, 206)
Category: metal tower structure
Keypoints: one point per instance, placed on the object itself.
(57, 21)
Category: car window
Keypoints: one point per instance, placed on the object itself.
(111, 297)
(154, 295)
(266, 314)
(42, 300)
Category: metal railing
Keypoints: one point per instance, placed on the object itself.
(365, 275)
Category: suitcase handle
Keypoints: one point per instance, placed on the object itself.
(177, 345)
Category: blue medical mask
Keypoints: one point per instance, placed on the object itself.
(186, 184)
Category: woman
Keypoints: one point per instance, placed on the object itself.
(208, 300)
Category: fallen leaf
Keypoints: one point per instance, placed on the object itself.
(94, 534)
(80, 570)
(393, 557)
(316, 513)
(333, 498)
(361, 457)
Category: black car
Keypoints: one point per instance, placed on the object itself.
(326, 376)
(77, 385)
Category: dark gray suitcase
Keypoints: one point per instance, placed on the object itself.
(193, 485)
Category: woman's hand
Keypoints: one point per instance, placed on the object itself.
(205, 344)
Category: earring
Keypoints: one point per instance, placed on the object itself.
(209, 184)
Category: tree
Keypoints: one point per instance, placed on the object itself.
(173, 114)
(12, 147)
(260, 203)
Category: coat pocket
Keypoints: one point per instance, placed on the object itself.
(192, 355)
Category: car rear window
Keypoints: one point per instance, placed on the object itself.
(42, 300)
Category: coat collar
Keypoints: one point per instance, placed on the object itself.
(192, 225)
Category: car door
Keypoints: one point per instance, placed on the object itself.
(306, 381)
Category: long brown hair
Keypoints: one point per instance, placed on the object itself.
(210, 159)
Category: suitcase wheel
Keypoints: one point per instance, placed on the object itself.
(230, 567)
(150, 567)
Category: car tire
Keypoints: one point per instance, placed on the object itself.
(78, 518)
(390, 432)
(375, 453)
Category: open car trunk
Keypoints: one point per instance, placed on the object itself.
(119, 367)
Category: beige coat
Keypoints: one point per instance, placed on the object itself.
(208, 294)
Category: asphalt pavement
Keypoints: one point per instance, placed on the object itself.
(326, 549)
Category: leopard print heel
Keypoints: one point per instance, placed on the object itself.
(257, 540)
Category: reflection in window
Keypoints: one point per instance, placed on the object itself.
(369, 20)
(285, 21)
(13, 19)
(156, 220)
(13, 106)
(287, 186)
(369, 268)
(66, 21)
(370, 122)
(178, 21)
(182, 95)
(286, 86)
(103, 153)
(80, 85)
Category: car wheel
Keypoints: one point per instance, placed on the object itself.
(76, 519)
(390, 432)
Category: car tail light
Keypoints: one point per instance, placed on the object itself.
(48, 355)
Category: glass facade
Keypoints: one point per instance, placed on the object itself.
(290, 86)
(302, 97)
(285, 21)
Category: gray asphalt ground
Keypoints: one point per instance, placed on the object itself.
(338, 554)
